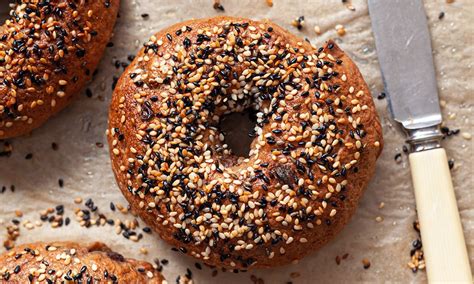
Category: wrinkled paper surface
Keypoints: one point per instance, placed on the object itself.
(86, 171)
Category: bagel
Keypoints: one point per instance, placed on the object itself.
(67, 261)
(317, 138)
(48, 51)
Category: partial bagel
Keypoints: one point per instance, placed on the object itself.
(48, 51)
(316, 141)
(64, 262)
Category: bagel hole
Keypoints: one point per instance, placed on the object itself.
(5, 8)
(236, 128)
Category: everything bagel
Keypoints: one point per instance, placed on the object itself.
(48, 51)
(316, 141)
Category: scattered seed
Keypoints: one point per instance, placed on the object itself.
(317, 30)
(466, 135)
(366, 263)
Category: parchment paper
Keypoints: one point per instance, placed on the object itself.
(86, 171)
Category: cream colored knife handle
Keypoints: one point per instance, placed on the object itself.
(441, 231)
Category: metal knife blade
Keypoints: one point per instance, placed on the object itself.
(403, 46)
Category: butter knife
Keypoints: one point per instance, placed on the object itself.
(404, 50)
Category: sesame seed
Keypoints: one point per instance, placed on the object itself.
(466, 135)
(317, 30)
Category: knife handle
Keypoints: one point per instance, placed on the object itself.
(441, 230)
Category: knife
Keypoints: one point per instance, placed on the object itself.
(403, 46)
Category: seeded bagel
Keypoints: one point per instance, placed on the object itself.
(48, 51)
(317, 138)
(57, 262)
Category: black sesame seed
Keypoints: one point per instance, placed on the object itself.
(398, 157)
(451, 164)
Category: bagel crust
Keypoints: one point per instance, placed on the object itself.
(48, 51)
(57, 262)
(316, 141)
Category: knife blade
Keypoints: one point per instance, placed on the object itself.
(403, 46)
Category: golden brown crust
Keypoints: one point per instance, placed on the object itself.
(61, 261)
(48, 57)
(281, 203)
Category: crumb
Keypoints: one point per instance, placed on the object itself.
(417, 261)
(269, 3)
(381, 205)
(7, 150)
(256, 280)
(341, 31)
(348, 5)
(218, 6)
(298, 22)
(183, 279)
(366, 263)
(379, 219)
(295, 274)
(13, 232)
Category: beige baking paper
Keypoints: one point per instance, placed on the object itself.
(86, 170)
